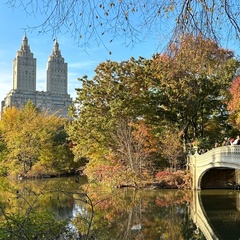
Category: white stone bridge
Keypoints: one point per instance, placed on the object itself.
(226, 158)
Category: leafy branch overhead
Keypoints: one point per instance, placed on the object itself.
(134, 20)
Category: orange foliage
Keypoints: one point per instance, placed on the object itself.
(234, 103)
(178, 179)
(144, 138)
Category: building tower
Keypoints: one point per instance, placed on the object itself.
(55, 100)
(56, 72)
(24, 68)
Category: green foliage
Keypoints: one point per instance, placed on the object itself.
(136, 113)
(27, 212)
(3, 155)
(34, 138)
(195, 78)
(110, 109)
(35, 225)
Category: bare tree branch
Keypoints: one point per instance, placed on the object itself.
(133, 20)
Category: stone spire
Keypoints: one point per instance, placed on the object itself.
(56, 52)
(24, 46)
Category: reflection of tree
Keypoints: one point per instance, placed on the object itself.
(30, 210)
(17, 196)
(168, 198)
(132, 214)
(105, 213)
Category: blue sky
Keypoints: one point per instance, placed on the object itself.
(12, 25)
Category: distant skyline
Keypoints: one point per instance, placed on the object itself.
(14, 24)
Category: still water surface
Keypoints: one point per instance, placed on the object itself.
(129, 214)
(222, 211)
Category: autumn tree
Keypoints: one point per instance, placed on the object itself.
(3, 154)
(234, 103)
(109, 111)
(133, 20)
(128, 111)
(138, 147)
(171, 148)
(195, 76)
(30, 138)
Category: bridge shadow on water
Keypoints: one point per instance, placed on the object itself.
(217, 213)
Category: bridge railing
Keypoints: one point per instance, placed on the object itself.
(229, 154)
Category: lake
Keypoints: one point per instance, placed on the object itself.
(125, 214)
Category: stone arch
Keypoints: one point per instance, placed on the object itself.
(217, 177)
(227, 157)
(199, 180)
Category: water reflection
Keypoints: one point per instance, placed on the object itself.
(108, 213)
(222, 210)
(134, 214)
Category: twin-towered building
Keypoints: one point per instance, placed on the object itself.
(55, 99)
